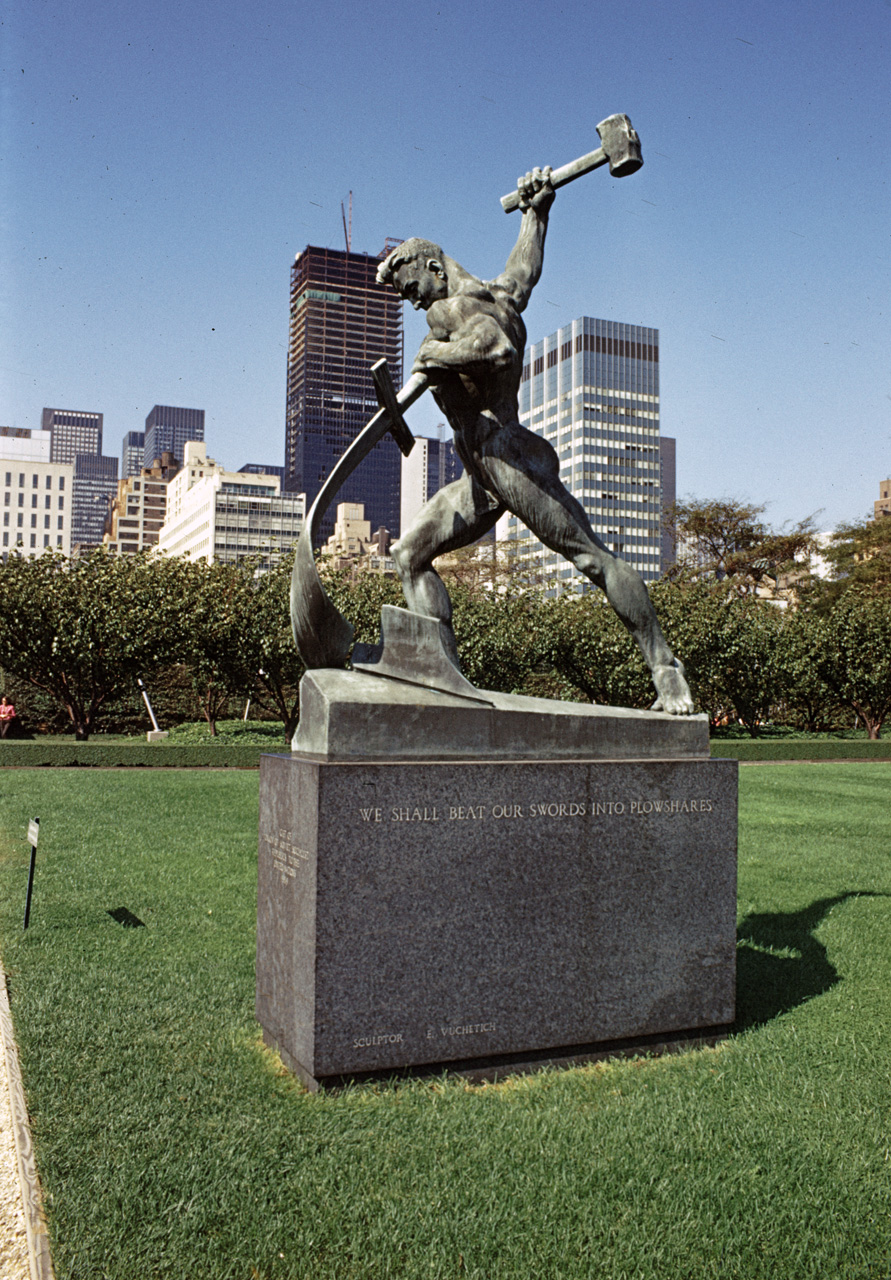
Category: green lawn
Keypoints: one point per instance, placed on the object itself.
(171, 1145)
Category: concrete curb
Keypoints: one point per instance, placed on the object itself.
(39, 1260)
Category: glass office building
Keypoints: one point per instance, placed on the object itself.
(592, 390)
(94, 487)
(341, 322)
(168, 428)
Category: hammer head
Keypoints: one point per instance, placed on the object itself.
(621, 144)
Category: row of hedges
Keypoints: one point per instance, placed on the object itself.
(30, 755)
(75, 636)
(98, 754)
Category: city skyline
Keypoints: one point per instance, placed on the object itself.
(197, 157)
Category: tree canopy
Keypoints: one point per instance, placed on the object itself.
(83, 629)
(727, 538)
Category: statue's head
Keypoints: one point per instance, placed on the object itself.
(416, 270)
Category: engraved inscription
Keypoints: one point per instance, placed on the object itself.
(287, 857)
(538, 809)
(409, 814)
(369, 1042)
(462, 1029)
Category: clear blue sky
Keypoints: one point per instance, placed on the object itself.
(164, 163)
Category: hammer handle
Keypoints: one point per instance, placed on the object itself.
(560, 177)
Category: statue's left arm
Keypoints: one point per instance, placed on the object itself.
(463, 337)
(523, 269)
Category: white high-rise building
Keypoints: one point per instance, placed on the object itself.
(25, 444)
(592, 390)
(431, 465)
(214, 514)
(36, 505)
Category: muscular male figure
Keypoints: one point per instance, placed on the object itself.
(473, 358)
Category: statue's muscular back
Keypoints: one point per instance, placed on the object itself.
(483, 327)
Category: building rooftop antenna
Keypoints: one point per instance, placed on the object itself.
(347, 231)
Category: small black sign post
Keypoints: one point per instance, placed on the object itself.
(33, 832)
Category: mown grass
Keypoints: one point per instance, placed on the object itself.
(171, 1144)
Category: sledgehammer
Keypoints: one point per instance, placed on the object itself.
(620, 149)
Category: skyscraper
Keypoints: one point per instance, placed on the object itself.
(431, 465)
(342, 321)
(94, 486)
(132, 449)
(73, 431)
(668, 463)
(592, 389)
(168, 428)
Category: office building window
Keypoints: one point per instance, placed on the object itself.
(49, 482)
(61, 504)
(46, 522)
(61, 482)
(9, 477)
(35, 480)
(21, 479)
(61, 523)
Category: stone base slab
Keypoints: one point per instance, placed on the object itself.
(500, 1066)
(421, 914)
(351, 715)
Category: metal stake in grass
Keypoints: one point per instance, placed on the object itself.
(33, 832)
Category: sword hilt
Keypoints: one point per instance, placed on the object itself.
(386, 398)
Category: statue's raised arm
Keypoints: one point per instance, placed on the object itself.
(523, 270)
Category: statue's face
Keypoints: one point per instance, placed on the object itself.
(421, 282)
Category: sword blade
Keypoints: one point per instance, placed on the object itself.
(322, 634)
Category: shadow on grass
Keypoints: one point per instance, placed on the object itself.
(780, 964)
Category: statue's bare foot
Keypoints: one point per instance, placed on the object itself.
(673, 690)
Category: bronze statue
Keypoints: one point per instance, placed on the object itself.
(472, 361)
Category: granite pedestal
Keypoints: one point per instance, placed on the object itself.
(422, 912)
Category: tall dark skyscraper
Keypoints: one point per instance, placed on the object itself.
(168, 428)
(342, 321)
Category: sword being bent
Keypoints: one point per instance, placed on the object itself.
(321, 632)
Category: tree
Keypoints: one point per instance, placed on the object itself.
(500, 635)
(853, 656)
(859, 555)
(589, 648)
(728, 646)
(806, 697)
(279, 667)
(83, 630)
(223, 650)
(727, 539)
(360, 594)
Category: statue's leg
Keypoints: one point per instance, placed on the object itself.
(524, 471)
(454, 517)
